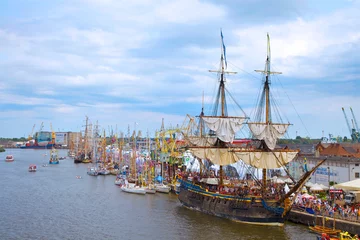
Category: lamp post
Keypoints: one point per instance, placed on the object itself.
(328, 175)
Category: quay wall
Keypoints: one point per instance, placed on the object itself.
(310, 219)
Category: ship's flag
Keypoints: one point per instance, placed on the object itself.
(223, 47)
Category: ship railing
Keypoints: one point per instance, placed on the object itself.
(196, 188)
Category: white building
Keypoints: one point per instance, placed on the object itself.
(334, 169)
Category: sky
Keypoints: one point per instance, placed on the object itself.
(134, 63)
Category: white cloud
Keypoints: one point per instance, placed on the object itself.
(7, 98)
(161, 12)
(301, 48)
(188, 11)
(45, 91)
(121, 51)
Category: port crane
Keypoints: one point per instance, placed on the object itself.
(31, 134)
(354, 132)
(53, 135)
(356, 125)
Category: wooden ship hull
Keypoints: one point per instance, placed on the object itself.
(253, 210)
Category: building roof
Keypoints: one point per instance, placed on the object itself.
(335, 149)
(336, 159)
(304, 148)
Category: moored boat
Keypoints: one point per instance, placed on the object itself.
(341, 236)
(135, 190)
(77, 159)
(103, 171)
(251, 199)
(150, 189)
(132, 188)
(323, 229)
(162, 188)
(86, 160)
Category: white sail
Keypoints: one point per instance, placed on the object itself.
(270, 133)
(219, 156)
(268, 160)
(224, 128)
(202, 141)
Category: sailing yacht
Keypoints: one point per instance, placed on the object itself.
(248, 200)
(133, 187)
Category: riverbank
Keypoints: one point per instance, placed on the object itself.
(308, 219)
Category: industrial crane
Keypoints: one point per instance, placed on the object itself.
(354, 133)
(352, 113)
(53, 135)
(31, 134)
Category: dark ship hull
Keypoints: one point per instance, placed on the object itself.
(253, 210)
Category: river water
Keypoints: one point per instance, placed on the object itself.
(53, 203)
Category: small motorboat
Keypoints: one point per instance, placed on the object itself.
(32, 168)
(92, 171)
(9, 158)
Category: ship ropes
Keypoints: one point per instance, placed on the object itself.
(213, 137)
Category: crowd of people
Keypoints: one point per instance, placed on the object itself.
(329, 207)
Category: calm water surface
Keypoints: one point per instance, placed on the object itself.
(53, 204)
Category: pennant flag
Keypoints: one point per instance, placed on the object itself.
(223, 46)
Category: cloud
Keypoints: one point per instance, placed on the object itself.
(297, 45)
(121, 62)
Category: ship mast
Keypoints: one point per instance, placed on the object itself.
(222, 71)
(267, 73)
(86, 139)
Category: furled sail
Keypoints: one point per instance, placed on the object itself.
(270, 133)
(219, 156)
(202, 141)
(268, 160)
(224, 127)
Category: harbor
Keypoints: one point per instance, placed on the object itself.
(175, 119)
(53, 203)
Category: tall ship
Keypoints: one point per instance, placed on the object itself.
(252, 197)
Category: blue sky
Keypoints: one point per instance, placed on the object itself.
(121, 62)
